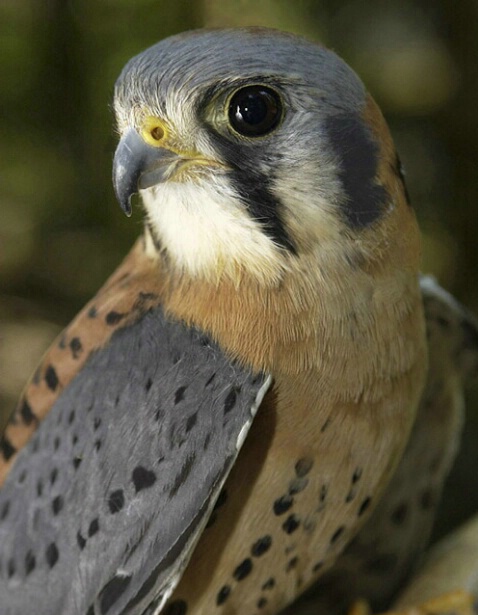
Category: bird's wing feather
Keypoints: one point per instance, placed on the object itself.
(132, 454)
(129, 293)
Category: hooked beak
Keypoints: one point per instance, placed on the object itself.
(138, 165)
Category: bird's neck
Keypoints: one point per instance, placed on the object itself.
(348, 325)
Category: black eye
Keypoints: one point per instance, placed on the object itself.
(255, 110)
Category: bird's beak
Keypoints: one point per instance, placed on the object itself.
(138, 165)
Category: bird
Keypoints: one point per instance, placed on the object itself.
(221, 419)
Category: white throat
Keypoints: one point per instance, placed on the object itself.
(208, 233)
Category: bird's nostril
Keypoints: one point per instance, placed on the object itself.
(157, 133)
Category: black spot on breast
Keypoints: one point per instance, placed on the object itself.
(291, 564)
(112, 591)
(39, 487)
(178, 607)
(22, 477)
(399, 514)
(231, 399)
(71, 417)
(96, 423)
(291, 524)
(356, 476)
(179, 395)
(148, 385)
(261, 546)
(261, 603)
(92, 312)
(303, 466)
(113, 318)
(325, 425)
(76, 347)
(116, 501)
(27, 414)
(143, 478)
(358, 152)
(317, 566)
(7, 449)
(76, 462)
(283, 504)
(243, 570)
(56, 443)
(94, 527)
(30, 562)
(298, 485)
(51, 378)
(57, 504)
(80, 540)
(51, 554)
(364, 506)
(337, 534)
(223, 594)
(269, 584)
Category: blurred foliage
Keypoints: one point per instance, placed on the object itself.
(61, 231)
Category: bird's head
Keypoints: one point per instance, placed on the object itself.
(251, 149)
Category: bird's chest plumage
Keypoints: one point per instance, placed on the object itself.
(308, 476)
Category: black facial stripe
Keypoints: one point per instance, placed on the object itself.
(358, 155)
(254, 191)
(253, 188)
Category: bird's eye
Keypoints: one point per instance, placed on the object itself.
(254, 110)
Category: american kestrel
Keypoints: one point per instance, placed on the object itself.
(218, 423)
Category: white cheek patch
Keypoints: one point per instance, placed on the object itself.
(208, 233)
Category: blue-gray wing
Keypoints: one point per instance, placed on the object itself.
(103, 507)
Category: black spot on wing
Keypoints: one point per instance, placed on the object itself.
(52, 554)
(116, 501)
(85, 493)
(357, 153)
(143, 478)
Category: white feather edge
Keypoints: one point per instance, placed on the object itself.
(171, 583)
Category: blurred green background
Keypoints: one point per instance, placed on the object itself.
(61, 231)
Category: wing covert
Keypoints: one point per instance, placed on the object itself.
(104, 505)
